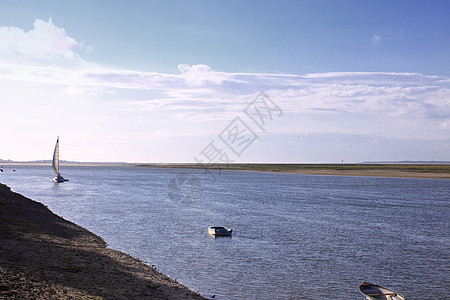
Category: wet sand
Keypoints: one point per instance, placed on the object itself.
(372, 173)
(43, 256)
(436, 171)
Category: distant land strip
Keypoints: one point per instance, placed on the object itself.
(439, 170)
(426, 170)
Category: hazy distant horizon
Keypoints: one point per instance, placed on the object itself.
(2, 161)
(214, 81)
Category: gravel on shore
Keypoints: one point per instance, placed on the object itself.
(43, 256)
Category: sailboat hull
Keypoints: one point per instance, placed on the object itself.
(59, 179)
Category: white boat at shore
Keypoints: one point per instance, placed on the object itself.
(373, 292)
(55, 164)
(219, 231)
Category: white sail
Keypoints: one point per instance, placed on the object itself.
(55, 162)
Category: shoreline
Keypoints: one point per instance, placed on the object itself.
(430, 171)
(394, 170)
(372, 173)
(45, 256)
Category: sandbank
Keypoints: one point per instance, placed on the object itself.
(372, 173)
(436, 171)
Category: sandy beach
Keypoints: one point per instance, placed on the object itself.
(372, 173)
(43, 256)
(436, 171)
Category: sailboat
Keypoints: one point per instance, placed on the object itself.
(55, 164)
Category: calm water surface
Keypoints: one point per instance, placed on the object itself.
(295, 236)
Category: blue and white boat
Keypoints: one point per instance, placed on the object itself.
(219, 231)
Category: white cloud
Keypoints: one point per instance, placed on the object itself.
(376, 39)
(44, 41)
(201, 74)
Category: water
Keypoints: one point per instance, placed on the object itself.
(295, 236)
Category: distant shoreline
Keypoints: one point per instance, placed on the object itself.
(400, 170)
(436, 171)
(374, 173)
(81, 164)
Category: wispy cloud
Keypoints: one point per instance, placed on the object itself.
(395, 94)
(446, 124)
(376, 39)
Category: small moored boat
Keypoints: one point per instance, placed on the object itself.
(219, 231)
(375, 292)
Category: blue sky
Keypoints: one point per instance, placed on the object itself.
(158, 81)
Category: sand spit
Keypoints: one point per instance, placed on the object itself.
(435, 171)
(43, 256)
(372, 173)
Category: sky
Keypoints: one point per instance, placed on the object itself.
(225, 81)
